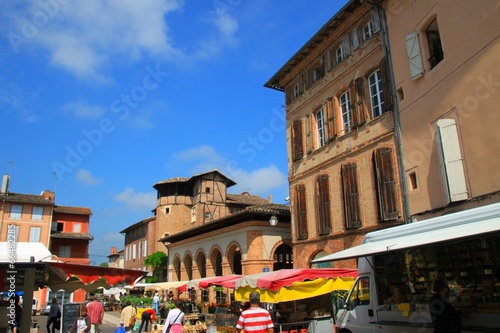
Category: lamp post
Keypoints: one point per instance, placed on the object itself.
(273, 220)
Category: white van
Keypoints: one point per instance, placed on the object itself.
(34, 307)
(397, 266)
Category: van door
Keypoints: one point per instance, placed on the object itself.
(358, 312)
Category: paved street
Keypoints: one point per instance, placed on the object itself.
(111, 321)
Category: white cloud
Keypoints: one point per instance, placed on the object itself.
(82, 110)
(260, 181)
(86, 178)
(137, 200)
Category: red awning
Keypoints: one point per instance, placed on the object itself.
(71, 277)
(273, 281)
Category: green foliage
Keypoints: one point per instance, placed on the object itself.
(156, 261)
(137, 301)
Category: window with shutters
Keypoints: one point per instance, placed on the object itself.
(35, 233)
(339, 54)
(367, 31)
(376, 94)
(320, 128)
(300, 196)
(323, 204)
(451, 161)
(434, 44)
(345, 110)
(297, 141)
(37, 213)
(352, 209)
(385, 184)
(296, 91)
(16, 212)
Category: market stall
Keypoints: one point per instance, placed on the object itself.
(299, 299)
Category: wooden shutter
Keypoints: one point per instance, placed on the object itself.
(331, 119)
(351, 196)
(414, 57)
(301, 211)
(360, 109)
(309, 134)
(385, 184)
(386, 85)
(452, 167)
(323, 204)
(297, 140)
(346, 45)
(375, 21)
(288, 94)
(355, 39)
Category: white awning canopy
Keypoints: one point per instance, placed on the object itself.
(472, 222)
(24, 252)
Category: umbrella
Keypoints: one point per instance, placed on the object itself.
(161, 285)
(294, 284)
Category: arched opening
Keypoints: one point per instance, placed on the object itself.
(283, 257)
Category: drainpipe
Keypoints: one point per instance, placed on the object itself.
(395, 111)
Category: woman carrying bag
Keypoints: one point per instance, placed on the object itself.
(173, 323)
(81, 324)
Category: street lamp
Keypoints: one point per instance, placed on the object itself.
(273, 220)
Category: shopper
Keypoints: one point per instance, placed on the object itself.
(81, 324)
(148, 316)
(128, 316)
(14, 319)
(174, 319)
(445, 318)
(95, 311)
(54, 316)
(255, 319)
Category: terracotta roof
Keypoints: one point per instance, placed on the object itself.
(73, 210)
(270, 208)
(25, 198)
(246, 198)
(229, 182)
(72, 235)
(135, 225)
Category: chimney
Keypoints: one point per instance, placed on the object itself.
(270, 198)
(49, 195)
(113, 250)
(5, 184)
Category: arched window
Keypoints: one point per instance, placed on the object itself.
(283, 257)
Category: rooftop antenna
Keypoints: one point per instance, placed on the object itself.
(55, 180)
(11, 166)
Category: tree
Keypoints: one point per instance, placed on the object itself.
(156, 261)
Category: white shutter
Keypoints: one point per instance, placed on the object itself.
(354, 37)
(452, 166)
(145, 252)
(413, 49)
(35, 234)
(375, 21)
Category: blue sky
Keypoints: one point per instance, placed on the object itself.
(99, 100)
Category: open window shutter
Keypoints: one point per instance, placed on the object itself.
(288, 94)
(414, 57)
(301, 83)
(297, 141)
(307, 79)
(386, 87)
(301, 211)
(355, 40)
(328, 58)
(352, 105)
(386, 184)
(452, 166)
(361, 104)
(323, 204)
(346, 45)
(330, 119)
(375, 21)
(351, 196)
(309, 134)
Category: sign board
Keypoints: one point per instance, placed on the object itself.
(69, 312)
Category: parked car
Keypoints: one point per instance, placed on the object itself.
(44, 311)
